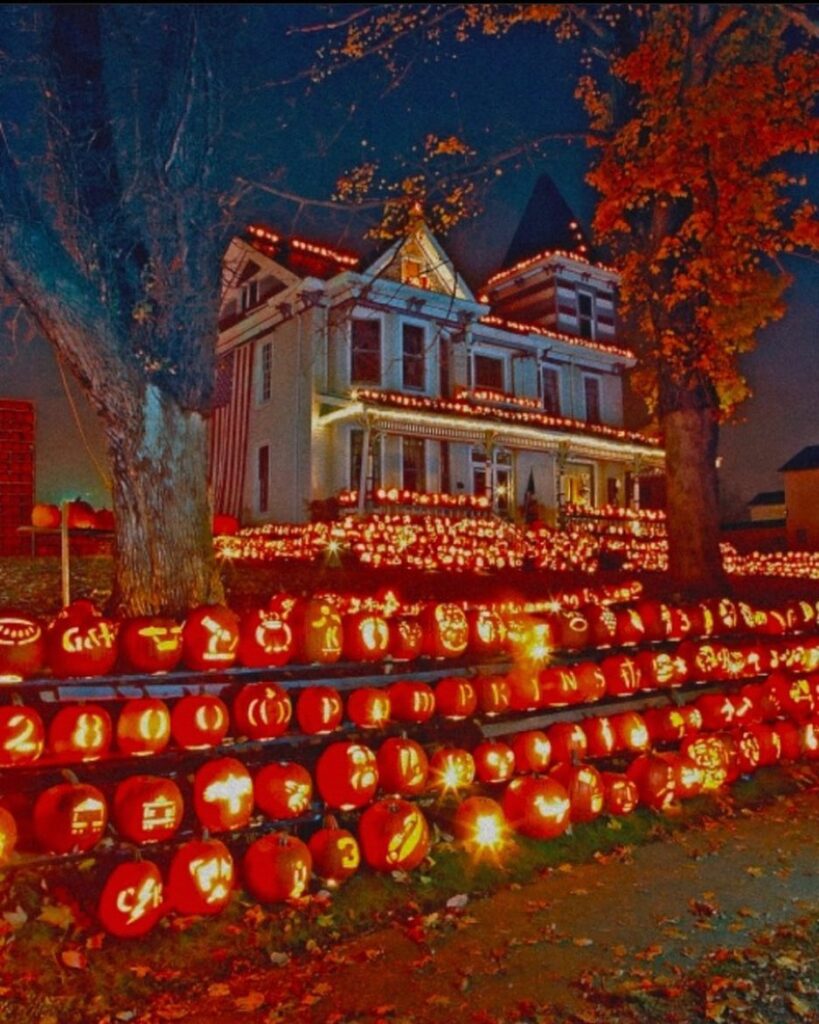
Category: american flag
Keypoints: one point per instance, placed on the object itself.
(228, 429)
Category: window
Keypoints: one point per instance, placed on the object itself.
(493, 478)
(266, 374)
(263, 477)
(487, 372)
(250, 295)
(443, 367)
(365, 361)
(585, 315)
(373, 461)
(577, 484)
(412, 357)
(551, 391)
(413, 467)
(591, 389)
(412, 272)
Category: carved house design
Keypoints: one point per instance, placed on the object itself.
(335, 378)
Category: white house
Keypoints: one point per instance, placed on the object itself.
(336, 378)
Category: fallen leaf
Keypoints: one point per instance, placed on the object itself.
(74, 958)
(457, 902)
(57, 914)
(16, 918)
(218, 989)
(247, 1004)
(583, 941)
(279, 959)
(798, 1006)
(754, 872)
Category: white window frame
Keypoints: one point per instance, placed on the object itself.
(402, 323)
(265, 348)
(424, 479)
(590, 295)
(383, 360)
(490, 353)
(249, 295)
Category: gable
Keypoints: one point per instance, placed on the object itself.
(419, 261)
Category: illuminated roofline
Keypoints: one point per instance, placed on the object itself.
(519, 327)
(530, 261)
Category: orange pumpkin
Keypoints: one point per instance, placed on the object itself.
(262, 711)
(319, 710)
(537, 807)
(532, 750)
(655, 776)
(494, 694)
(486, 632)
(366, 637)
(394, 835)
(621, 795)
(266, 639)
(368, 707)
(46, 517)
(403, 767)
(412, 701)
(335, 852)
(451, 769)
(223, 795)
(201, 877)
(81, 643)
(585, 788)
(347, 775)
(568, 741)
(22, 645)
(283, 790)
(406, 638)
(321, 631)
(22, 735)
(147, 808)
(480, 824)
(601, 740)
(455, 698)
(80, 732)
(148, 644)
(70, 817)
(494, 761)
(131, 903)
(143, 726)
(199, 721)
(210, 638)
(277, 868)
(446, 630)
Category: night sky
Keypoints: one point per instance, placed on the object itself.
(490, 92)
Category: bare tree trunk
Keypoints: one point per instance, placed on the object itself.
(165, 562)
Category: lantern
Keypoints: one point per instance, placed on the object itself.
(265, 639)
(70, 817)
(665, 725)
(601, 740)
(277, 867)
(369, 707)
(22, 645)
(573, 630)
(793, 694)
(591, 683)
(655, 776)
(712, 756)
(559, 687)
(347, 775)
(406, 638)
(568, 741)
(321, 631)
(261, 711)
(411, 701)
(319, 710)
(335, 852)
(537, 807)
(210, 638)
(480, 824)
(147, 808)
(602, 625)
(223, 795)
(631, 732)
(451, 769)
(8, 835)
(131, 900)
(283, 790)
(81, 644)
(689, 778)
(661, 670)
(494, 761)
(201, 877)
(80, 732)
(654, 620)
(787, 734)
(143, 726)
(532, 751)
(446, 630)
(199, 721)
(531, 641)
(366, 637)
(394, 835)
(22, 735)
(620, 793)
(150, 644)
(585, 788)
(455, 698)
(494, 694)
(623, 675)
(717, 709)
(402, 767)
(486, 632)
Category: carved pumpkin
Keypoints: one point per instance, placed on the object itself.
(718, 711)
(22, 735)
(486, 632)
(568, 741)
(480, 824)
(131, 901)
(601, 740)
(266, 640)
(585, 788)
(366, 637)
(494, 694)
(319, 710)
(661, 670)
(525, 689)
(369, 707)
(335, 852)
(623, 675)
(591, 683)
(347, 775)
(446, 630)
(451, 769)
(406, 638)
(787, 733)
(283, 790)
(210, 638)
(602, 622)
(201, 877)
(455, 698)
(277, 867)
(321, 631)
(621, 795)
(665, 725)
(631, 731)
(150, 644)
(793, 694)
(573, 630)
(199, 721)
(394, 835)
(559, 687)
(537, 807)
(262, 711)
(22, 645)
(412, 701)
(532, 751)
(712, 756)
(8, 835)
(655, 776)
(70, 817)
(81, 643)
(143, 726)
(80, 732)
(494, 761)
(147, 808)
(630, 628)
(403, 767)
(223, 795)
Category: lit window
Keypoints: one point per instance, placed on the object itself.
(412, 272)
(488, 372)
(412, 357)
(365, 361)
(413, 475)
(266, 388)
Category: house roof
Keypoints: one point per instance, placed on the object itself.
(767, 498)
(547, 224)
(808, 458)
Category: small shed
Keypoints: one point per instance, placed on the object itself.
(802, 498)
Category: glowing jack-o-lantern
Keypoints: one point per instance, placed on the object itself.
(132, 899)
(283, 790)
(368, 707)
(335, 852)
(621, 795)
(446, 630)
(347, 775)
(537, 807)
(793, 695)
(70, 817)
(199, 721)
(322, 631)
(568, 740)
(412, 701)
(80, 732)
(559, 687)
(210, 638)
(532, 751)
(22, 646)
(712, 756)
(451, 769)
(602, 622)
(623, 675)
(630, 628)
(81, 644)
(366, 637)
(525, 688)
(201, 877)
(573, 630)
(601, 740)
(143, 726)
(494, 761)
(655, 776)
(665, 725)
(262, 711)
(22, 735)
(319, 709)
(8, 835)
(455, 698)
(486, 632)
(480, 824)
(277, 867)
(631, 731)
(402, 766)
(494, 694)
(585, 788)
(147, 808)
(150, 644)
(223, 795)
(591, 683)
(787, 739)
(406, 638)
(394, 835)
(266, 640)
(661, 670)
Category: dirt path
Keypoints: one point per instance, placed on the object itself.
(660, 906)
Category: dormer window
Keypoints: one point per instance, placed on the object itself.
(412, 272)
(250, 296)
